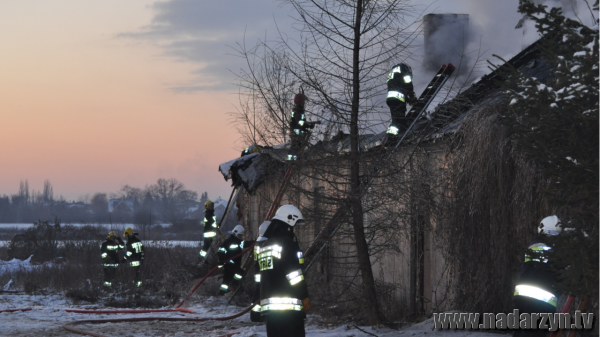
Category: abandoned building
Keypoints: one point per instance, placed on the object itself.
(444, 230)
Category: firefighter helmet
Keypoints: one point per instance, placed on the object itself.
(262, 230)
(209, 205)
(111, 235)
(550, 226)
(404, 71)
(128, 232)
(238, 230)
(290, 215)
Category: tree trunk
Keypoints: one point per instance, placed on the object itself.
(362, 249)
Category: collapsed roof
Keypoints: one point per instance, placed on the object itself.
(250, 170)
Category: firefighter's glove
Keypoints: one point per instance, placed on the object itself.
(305, 305)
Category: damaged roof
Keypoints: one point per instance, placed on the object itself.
(446, 119)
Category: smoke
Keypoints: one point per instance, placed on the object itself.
(446, 37)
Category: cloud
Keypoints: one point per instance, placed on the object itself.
(205, 33)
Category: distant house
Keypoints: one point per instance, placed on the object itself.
(120, 206)
(78, 204)
(194, 212)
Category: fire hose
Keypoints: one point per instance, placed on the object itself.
(207, 275)
(69, 326)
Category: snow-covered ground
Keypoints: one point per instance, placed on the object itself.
(47, 318)
(120, 226)
(148, 243)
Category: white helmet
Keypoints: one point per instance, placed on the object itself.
(550, 226)
(262, 230)
(238, 230)
(290, 215)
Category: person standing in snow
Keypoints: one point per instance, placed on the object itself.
(536, 290)
(283, 292)
(109, 250)
(134, 254)
(400, 91)
(232, 270)
(210, 227)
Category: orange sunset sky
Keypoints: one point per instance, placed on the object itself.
(98, 94)
(92, 111)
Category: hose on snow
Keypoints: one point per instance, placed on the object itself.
(69, 326)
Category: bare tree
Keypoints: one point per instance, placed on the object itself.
(48, 193)
(99, 205)
(170, 193)
(345, 50)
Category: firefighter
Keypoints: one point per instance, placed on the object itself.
(255, 313)
(210, 227)
(283, 292)
(251, 149)
(109, 251)
(400, 92)
(536, 291)
(134, 254)
(232, 270)
(298, 126)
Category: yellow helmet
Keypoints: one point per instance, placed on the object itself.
(128, 231)
(111, 235)
(209, 205)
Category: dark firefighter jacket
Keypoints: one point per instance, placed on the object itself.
(282, 285)
(109, 251)
(255, 314)
(230, 248)
(397, 84)
(210, 224)
(134, 253)
(536, 274)
(298, 123)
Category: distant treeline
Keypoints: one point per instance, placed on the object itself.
(167, 201)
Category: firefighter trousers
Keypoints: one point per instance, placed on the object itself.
(398, 112)
(285, 324)
(109, 275)
(229, 279)
(530, 305)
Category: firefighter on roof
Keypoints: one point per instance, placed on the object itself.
(210, 227)
(283, 291)
(232, 270)
(298, 126)
(251, 149)
(535, 291)
(400, 92)
(134, 254)
(109, 251)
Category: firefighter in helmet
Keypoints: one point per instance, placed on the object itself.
(251, 149)
(232, 270)
(210, 227)
(535, 291)
(109, 250)
(134, 254)
(400, 92)
(283, 291)
(298, 126)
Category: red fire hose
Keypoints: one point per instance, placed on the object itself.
(13, 310)
(69, 326)
(207, 275)
(189, 311)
